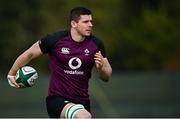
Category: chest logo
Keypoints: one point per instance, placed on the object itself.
(65, 50)
(75, 63)
(86, 51)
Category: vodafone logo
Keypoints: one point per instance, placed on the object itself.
(74, 63)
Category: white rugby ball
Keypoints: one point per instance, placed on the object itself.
(26, 77)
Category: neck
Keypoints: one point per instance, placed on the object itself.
(76, 36)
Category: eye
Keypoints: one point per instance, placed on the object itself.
(88, 21)
(85, 21)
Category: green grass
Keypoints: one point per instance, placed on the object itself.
(135, 94)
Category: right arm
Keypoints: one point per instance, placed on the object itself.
(31, 53)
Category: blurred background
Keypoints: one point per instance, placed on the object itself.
(142, 40)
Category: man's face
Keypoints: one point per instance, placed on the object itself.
(84, 25)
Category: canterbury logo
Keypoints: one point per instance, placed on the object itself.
(74, 59)
(65, 50)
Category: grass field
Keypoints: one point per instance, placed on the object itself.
(128, 94)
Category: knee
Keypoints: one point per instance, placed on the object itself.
(83, 114)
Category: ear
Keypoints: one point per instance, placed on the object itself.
(73, 24)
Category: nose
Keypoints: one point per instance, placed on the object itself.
(90, 24)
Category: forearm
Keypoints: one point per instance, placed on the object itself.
(105, 72)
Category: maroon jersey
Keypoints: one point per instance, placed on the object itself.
(70, 63)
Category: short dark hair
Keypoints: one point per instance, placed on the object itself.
(77, 11)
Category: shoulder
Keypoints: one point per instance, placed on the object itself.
(46, 43)
(99, 44)
(96, 40)
(56, 35)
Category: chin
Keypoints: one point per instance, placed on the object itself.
(87, 34)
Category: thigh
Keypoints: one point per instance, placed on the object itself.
(55, 105)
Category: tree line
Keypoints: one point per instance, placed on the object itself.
(138, 34)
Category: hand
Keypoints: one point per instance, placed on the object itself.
(99, 60)
(12, 81)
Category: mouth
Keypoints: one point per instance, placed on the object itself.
(89, 30)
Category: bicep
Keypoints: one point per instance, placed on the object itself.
(34, 51)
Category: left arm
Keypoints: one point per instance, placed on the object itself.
(103, 66)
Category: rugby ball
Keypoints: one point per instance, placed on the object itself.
(26, 77)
